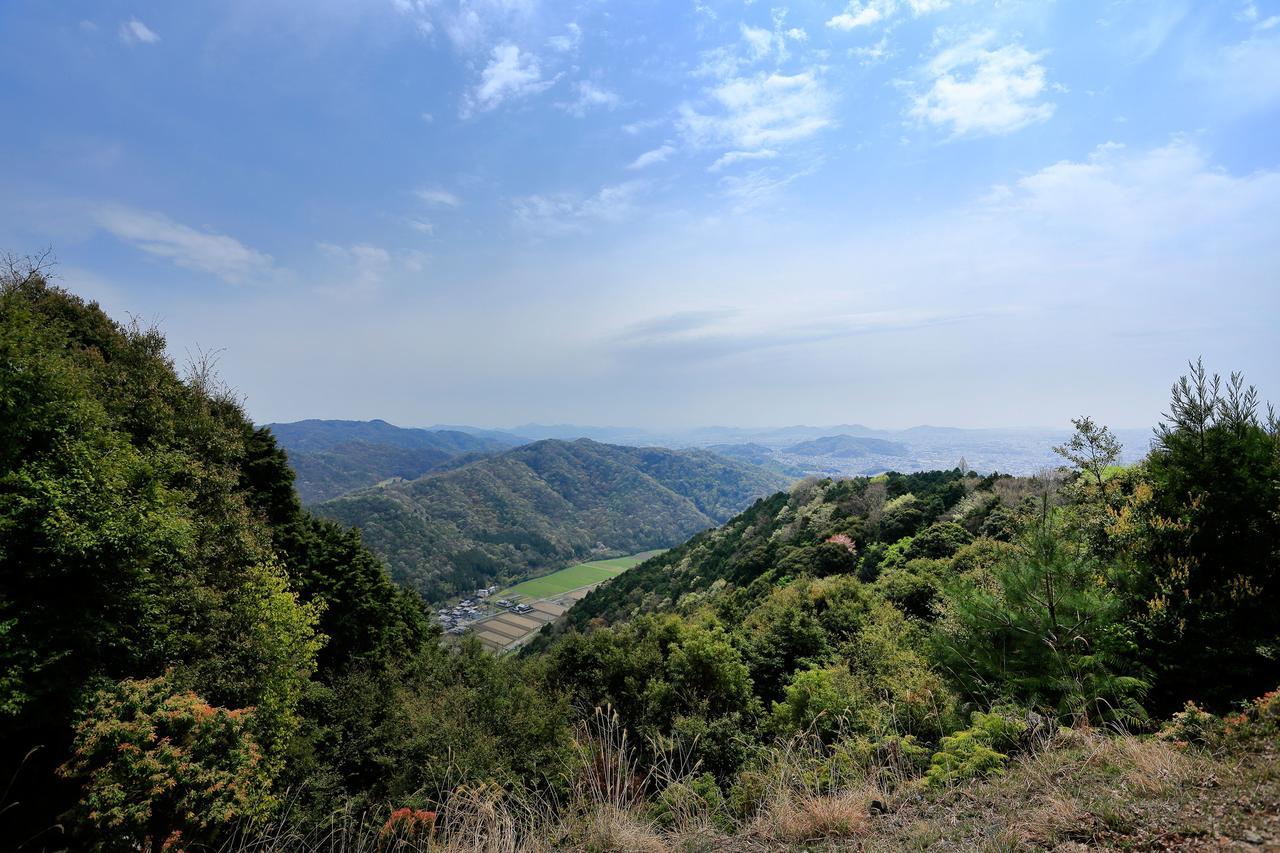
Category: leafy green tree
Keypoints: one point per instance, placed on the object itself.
(825, 701)
(1092, 449)
(940, 539)
(136, 540)
(1201, 533)
(1046, 629)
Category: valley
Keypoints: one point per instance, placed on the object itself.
(504, 620)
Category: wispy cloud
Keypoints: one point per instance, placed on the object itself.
(760, 111)
(568, 41)
(588, 97)
(758, 187)
(204, 251)
(1172, 197)
(976, 89)
(469, 25)
(134, 31)
(510, 74)
(1244, 75)
(865, 13)
(652, 157)
(700, 335)
(559, 214)
(437, 197)
(362, 267)
(730, 157)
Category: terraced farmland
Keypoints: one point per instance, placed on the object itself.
(548, 598)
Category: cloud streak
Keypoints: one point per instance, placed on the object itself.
(203, 251)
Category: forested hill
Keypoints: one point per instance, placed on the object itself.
(868, 528)
(543, 505)
(333, 457)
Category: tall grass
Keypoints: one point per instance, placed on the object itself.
(802, 793)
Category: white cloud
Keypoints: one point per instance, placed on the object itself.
(134, 31)
(567, 42)
(421, 226)
(589, 97)
(730, 157)
(650, 158)
(758, 39)
(872, 54)
(865, 13)
(1168, 202)
(979, 90)
(511, 73)
(437, 197)
(765, 110)
(205, 251)
(364, 266)
(1246, 75)
(470, 25)
(860, 15)
(638, 127)
(565, 213)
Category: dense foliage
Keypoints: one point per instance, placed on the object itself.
(180, 643)
(544, 505)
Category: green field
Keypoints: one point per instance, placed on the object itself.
(572, 577)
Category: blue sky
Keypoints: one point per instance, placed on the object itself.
(667, 213)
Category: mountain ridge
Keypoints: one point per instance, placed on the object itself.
(542, 505)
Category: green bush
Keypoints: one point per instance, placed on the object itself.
(161, 767)
(690, 798)
(974, 753)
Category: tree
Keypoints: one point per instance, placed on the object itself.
(1092, 449)
(1201, 533)
(1045, 628)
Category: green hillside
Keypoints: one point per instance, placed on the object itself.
(332, 457)
(544, 505)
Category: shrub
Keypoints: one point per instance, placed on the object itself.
(1192, 725)
(690, 799)
(974, 752)
(160, 765)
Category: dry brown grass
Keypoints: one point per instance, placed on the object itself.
(1085, 787)
(1151, 766)
(799, 816)
(609, 828)
(1057, 814)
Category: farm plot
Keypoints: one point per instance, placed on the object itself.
(575, 577)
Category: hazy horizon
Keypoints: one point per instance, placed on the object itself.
(891, 212)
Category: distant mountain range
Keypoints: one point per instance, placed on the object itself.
(332, 457)
(543, 505)
(848, 447)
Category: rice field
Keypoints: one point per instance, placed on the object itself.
(573, 577)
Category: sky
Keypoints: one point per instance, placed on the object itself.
(663, 214)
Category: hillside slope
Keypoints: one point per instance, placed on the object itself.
(543, 505)
(333, 457)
